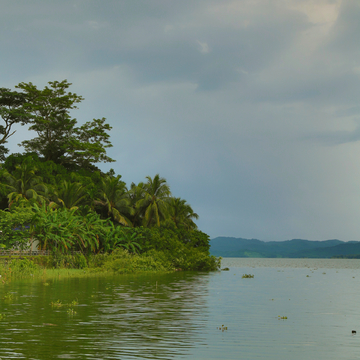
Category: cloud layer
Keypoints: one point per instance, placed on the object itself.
(249, 108)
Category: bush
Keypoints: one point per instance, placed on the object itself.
(59, 261)
(121, 262)
(23, 267)
(14, 228)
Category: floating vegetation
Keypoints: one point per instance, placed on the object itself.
(73, 303)
(71, 312)
(225, 269)
(282, 317)
(2, 316)
(307, 275)
(46, 284)
(57, 304)
(222, 328)
(8, 296)
(324, 273)
(247, 276)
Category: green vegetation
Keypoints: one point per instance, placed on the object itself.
(222, 328)
(54, 196)
(247, 276)
(118, 261)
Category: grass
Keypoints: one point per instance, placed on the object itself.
(7, 274)
(60, 266)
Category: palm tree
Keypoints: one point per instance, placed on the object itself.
(24, 184)
(182, 214)
(154, 204)
(112, 196)
(72, 194)
(135, 194)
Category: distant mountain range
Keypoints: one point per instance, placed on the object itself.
(296, 248)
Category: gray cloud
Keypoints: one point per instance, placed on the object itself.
(248, 108)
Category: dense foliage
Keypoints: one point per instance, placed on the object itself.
(55, 195)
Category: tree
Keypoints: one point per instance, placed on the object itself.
(112, 197)
(89, 144)
(58, 138)
(182, 214)
(25, 185)
(72, 194)
(12, 112)
(154, 205)
(135, 194)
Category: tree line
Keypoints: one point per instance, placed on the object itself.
(55, 193)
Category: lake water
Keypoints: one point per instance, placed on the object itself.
(177, 316)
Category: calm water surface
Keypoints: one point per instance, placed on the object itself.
(177, 316)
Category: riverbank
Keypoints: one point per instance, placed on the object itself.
(119, 261)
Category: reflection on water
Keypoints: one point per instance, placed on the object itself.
(178, 316)
(117, 317)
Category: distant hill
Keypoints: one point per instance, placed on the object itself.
(296, 248)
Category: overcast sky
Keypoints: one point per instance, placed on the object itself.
(249, 108)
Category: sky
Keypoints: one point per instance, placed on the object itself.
(249, 108)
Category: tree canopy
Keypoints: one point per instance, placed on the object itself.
(12, 112)
(55, 193)
(59, 139)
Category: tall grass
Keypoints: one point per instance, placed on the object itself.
(120, 261)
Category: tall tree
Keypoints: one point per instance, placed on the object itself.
(58, 138)
(25, 185)
(12, 112)
(113, 198)
(89, 143)
(182, 214)
(72, 194)
(135, 194)
(154, 204)
(51, 120)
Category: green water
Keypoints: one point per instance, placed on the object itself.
(177, 316)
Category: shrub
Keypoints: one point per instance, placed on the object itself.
(23, 267)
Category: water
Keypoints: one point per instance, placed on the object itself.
(177, 316)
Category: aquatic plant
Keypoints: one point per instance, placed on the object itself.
(56, 304)
(71, 312)
(247, 276)
(8, 296)
(222, 328)
(282, 317)
(73, 303)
